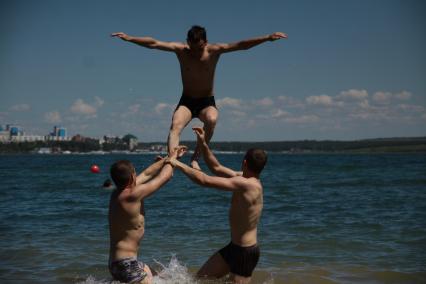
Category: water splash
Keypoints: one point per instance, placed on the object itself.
(174, 272)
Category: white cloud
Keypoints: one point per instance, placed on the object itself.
(99, 102)
(413, 108)
(361, 115)
(265, 102)
(404, 95)
(353, 94)
(322, 100)
(160, 107)
(290, 102)
(80, 107)
(386, 97)
(364, 104)
(238, 113)
(52, 117)
(382, 97)
(303, 119)
(229, 102)
(134, 108)
(20, 107)
(279, 113)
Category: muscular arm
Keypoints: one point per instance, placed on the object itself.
(150, 42)
(146, 189)
(154, 168)
(149, 172)
(248, 43)
(197, 176)
(212, 163)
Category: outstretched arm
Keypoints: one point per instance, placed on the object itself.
(154, 168)
(150, 172)
(248, 43)
(197, 176)
(146, 189)
(210, 159)
(150, 42)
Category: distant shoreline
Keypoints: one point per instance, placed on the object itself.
(379, 145)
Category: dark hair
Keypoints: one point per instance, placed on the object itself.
(256, 160)
(121, 173)
(196, 34)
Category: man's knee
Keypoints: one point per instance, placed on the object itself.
(210, 119)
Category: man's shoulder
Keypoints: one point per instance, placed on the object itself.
(216, 47)
(179, 46)
(247, 183)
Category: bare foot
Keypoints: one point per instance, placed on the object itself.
(181, 150)
(195, 165)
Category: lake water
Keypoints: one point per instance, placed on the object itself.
(329, 218)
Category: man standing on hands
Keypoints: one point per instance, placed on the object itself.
(241, 255)
(198, 60)
(127, 216)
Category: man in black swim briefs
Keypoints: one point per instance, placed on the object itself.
(198, 60)
(240, 256)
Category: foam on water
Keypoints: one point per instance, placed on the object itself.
(173, 272)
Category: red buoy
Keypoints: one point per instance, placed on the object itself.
(95, 169)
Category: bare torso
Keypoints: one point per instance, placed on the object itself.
(244, 214)
(126, 224)
(197, 71)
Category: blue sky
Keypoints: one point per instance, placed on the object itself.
(349, 69)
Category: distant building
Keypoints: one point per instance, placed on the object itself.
(112, 139)
(15, 130)
(4, 135)
(15, 133)
(27, 138)
(59, 134)
(158, 148)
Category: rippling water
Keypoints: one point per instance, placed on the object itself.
(326, 219)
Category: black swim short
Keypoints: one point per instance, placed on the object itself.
(196, 105)
(127, 270)
(241, 260)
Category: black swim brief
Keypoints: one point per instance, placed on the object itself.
(241, 260)
(196, 105)
(127, 270)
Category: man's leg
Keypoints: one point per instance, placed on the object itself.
(181, 117)
(209, 117)
(215, 267)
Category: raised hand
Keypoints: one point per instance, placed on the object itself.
(121, 35)
(199, 131)
(277, 35)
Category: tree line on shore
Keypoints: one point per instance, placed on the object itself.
(409, 144)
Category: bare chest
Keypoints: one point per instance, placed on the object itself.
(198, 65)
